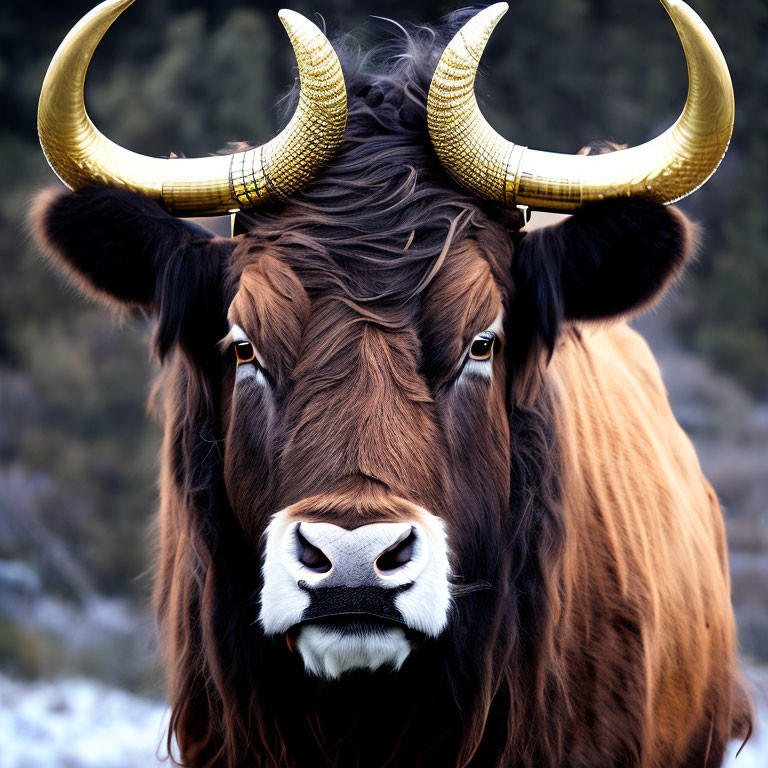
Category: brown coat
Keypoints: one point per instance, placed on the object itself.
(646, 600)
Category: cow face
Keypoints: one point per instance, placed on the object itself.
(359, 441)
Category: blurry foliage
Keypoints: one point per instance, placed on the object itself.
(126, 660)
(77, 454)
(27, 653)
(195, 95)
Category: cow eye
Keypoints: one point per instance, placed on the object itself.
(482, 346)
(247, 361)
(244, 352)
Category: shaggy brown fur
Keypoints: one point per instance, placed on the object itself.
(591, 624)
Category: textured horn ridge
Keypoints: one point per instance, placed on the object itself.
(315, 131)
(665, 169)
(81, 156)
(471, 151)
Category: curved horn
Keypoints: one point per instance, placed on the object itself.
(665, 169)
(81, 156)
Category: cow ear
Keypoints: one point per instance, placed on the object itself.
(114, 244)
(124, 248)
(611, 259)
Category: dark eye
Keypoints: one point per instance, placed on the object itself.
(482, 346)
(244, 351)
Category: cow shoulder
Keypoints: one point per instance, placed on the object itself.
(646, 561)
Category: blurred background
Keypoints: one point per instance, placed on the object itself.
(79, 685)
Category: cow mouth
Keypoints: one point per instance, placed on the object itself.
(341, 607)
(331, 646)
(354, 623)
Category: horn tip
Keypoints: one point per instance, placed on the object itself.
(473, 36)
(678, 9)
(119, 5)
(484, 22)
(292, 18)
(297, 24)
(495, 11)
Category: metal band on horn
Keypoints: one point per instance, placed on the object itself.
(81, 156)
(665, 169)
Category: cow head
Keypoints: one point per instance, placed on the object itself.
(360, 471)
(361, 419)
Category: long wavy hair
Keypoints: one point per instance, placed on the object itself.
(374, 229)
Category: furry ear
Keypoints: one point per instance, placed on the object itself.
(124, 248)
(610, 259)
(112, 242)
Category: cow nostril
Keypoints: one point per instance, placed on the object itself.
(398, 556)
(312, 557)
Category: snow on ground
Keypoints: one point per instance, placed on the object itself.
(84, 724)
(78, 724)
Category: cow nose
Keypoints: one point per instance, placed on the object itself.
(373, 555)
(317, 574)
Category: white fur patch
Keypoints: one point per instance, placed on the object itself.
(282, 601)
(479, 368)
(246, 371)
(329, 652)
(425, 605)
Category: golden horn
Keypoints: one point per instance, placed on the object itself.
(665, 169)
(81, 156)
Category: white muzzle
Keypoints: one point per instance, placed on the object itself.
(353, 598)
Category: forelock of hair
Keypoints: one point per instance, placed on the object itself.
(378, 221)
